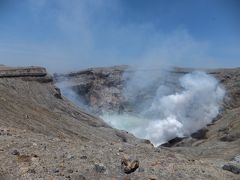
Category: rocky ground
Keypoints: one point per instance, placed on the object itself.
(45, 136)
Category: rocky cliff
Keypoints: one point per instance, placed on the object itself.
(45, 136)
(100, 88)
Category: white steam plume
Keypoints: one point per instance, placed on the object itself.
(173, 111)
(68, 92)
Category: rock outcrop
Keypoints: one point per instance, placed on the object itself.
(22, 71)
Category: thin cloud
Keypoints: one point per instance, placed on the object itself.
(79, 34)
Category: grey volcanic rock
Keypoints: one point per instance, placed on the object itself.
(232, 168)
(200, 134)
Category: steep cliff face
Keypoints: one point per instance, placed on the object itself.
(45, 136)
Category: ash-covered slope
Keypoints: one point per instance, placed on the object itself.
(31, 104)
(45, 136)
(31, 101)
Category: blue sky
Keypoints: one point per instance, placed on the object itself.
(65, 35)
